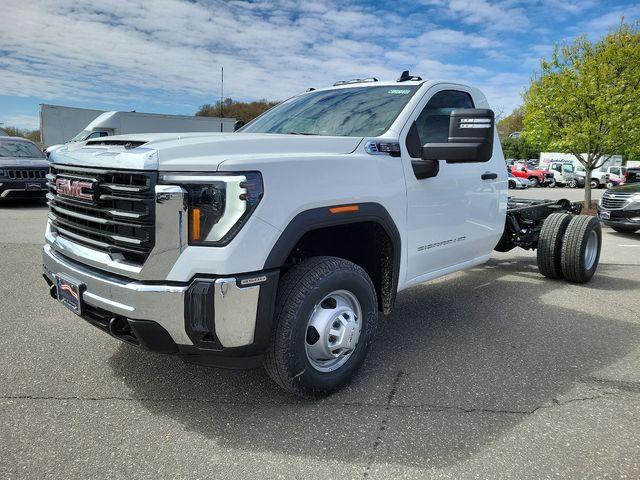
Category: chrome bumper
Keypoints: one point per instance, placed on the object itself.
(235, 308)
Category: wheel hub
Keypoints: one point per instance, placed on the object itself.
(333, 330)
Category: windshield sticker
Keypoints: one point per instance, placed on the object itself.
(397, 91)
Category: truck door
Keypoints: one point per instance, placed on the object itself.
(456, 216)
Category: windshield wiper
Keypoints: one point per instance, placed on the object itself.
(301, 133)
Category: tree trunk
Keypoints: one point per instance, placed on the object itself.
(587, 189)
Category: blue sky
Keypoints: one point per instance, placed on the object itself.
(165, 55)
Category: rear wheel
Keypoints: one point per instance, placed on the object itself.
(595, 184)
(625, 229)
(573, 183)
(550, 244)
(534, 181)
(512, 184)
(326, 316)
(581, 249)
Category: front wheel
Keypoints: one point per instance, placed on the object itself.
(573, 184)
(595, 184)
(325, 320)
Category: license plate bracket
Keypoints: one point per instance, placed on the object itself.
(69, 291)
(31, 186)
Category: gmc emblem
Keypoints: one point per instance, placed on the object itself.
(75, 188)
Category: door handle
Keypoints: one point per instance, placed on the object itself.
(489, 176)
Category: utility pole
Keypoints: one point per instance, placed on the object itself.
(221, 98)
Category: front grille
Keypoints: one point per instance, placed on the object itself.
(24, 174)
(615, 200)
(120, 218)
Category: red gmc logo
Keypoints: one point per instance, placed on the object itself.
(74, 188)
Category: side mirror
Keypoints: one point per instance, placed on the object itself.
(470, 137)
(238, 125)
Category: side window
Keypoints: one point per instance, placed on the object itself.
(433, 121)
(97, 134)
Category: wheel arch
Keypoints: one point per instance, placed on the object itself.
(369, 221)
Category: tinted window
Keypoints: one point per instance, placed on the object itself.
(433, 121)
(349, 112)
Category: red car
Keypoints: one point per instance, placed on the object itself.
(537, 176)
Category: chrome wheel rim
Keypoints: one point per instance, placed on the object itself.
(333, 331)
(591, 251)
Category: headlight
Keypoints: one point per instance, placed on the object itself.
(218, 203)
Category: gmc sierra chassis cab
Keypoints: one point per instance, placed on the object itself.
(280, 244)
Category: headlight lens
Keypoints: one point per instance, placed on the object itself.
(218, 203)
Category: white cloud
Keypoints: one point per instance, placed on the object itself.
(170, 50)
(491, 16)
(28, 122)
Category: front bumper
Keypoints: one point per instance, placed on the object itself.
(218, 321)
(28, 188)
(621, 217)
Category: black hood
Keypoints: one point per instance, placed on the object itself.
(23, 162)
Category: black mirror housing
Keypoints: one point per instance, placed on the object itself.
(470, 137)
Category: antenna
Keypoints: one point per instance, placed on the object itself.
(221, 98)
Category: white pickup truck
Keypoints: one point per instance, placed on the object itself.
(280, 244)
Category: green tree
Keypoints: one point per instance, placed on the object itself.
(519, 148)
(246, 111)
(33, 135)
(586, 99)
(511, 123)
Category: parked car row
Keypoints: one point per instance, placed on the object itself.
(563, 174)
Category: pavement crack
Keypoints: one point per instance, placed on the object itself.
(383, 424)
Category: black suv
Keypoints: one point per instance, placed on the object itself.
(23, 169)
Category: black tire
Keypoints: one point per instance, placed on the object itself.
(512, 185)
(550, 244)
(575, 243)
(625, 229)
(595, 184)
(299, 291)
(534, 181)
(573, 184)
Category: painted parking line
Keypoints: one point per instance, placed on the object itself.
(629, 245)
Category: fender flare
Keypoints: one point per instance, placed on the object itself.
(317, 218)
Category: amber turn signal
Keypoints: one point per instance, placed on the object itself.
(344, 209)
(194, 224)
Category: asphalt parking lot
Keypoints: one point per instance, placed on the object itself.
(490, 373)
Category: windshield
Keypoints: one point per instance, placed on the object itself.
(19, 149)
(346, 112)
(81, 136)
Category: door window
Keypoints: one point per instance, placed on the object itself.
(433, 121)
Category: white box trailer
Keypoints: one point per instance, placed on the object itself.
(59, 124)
(122, 123)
